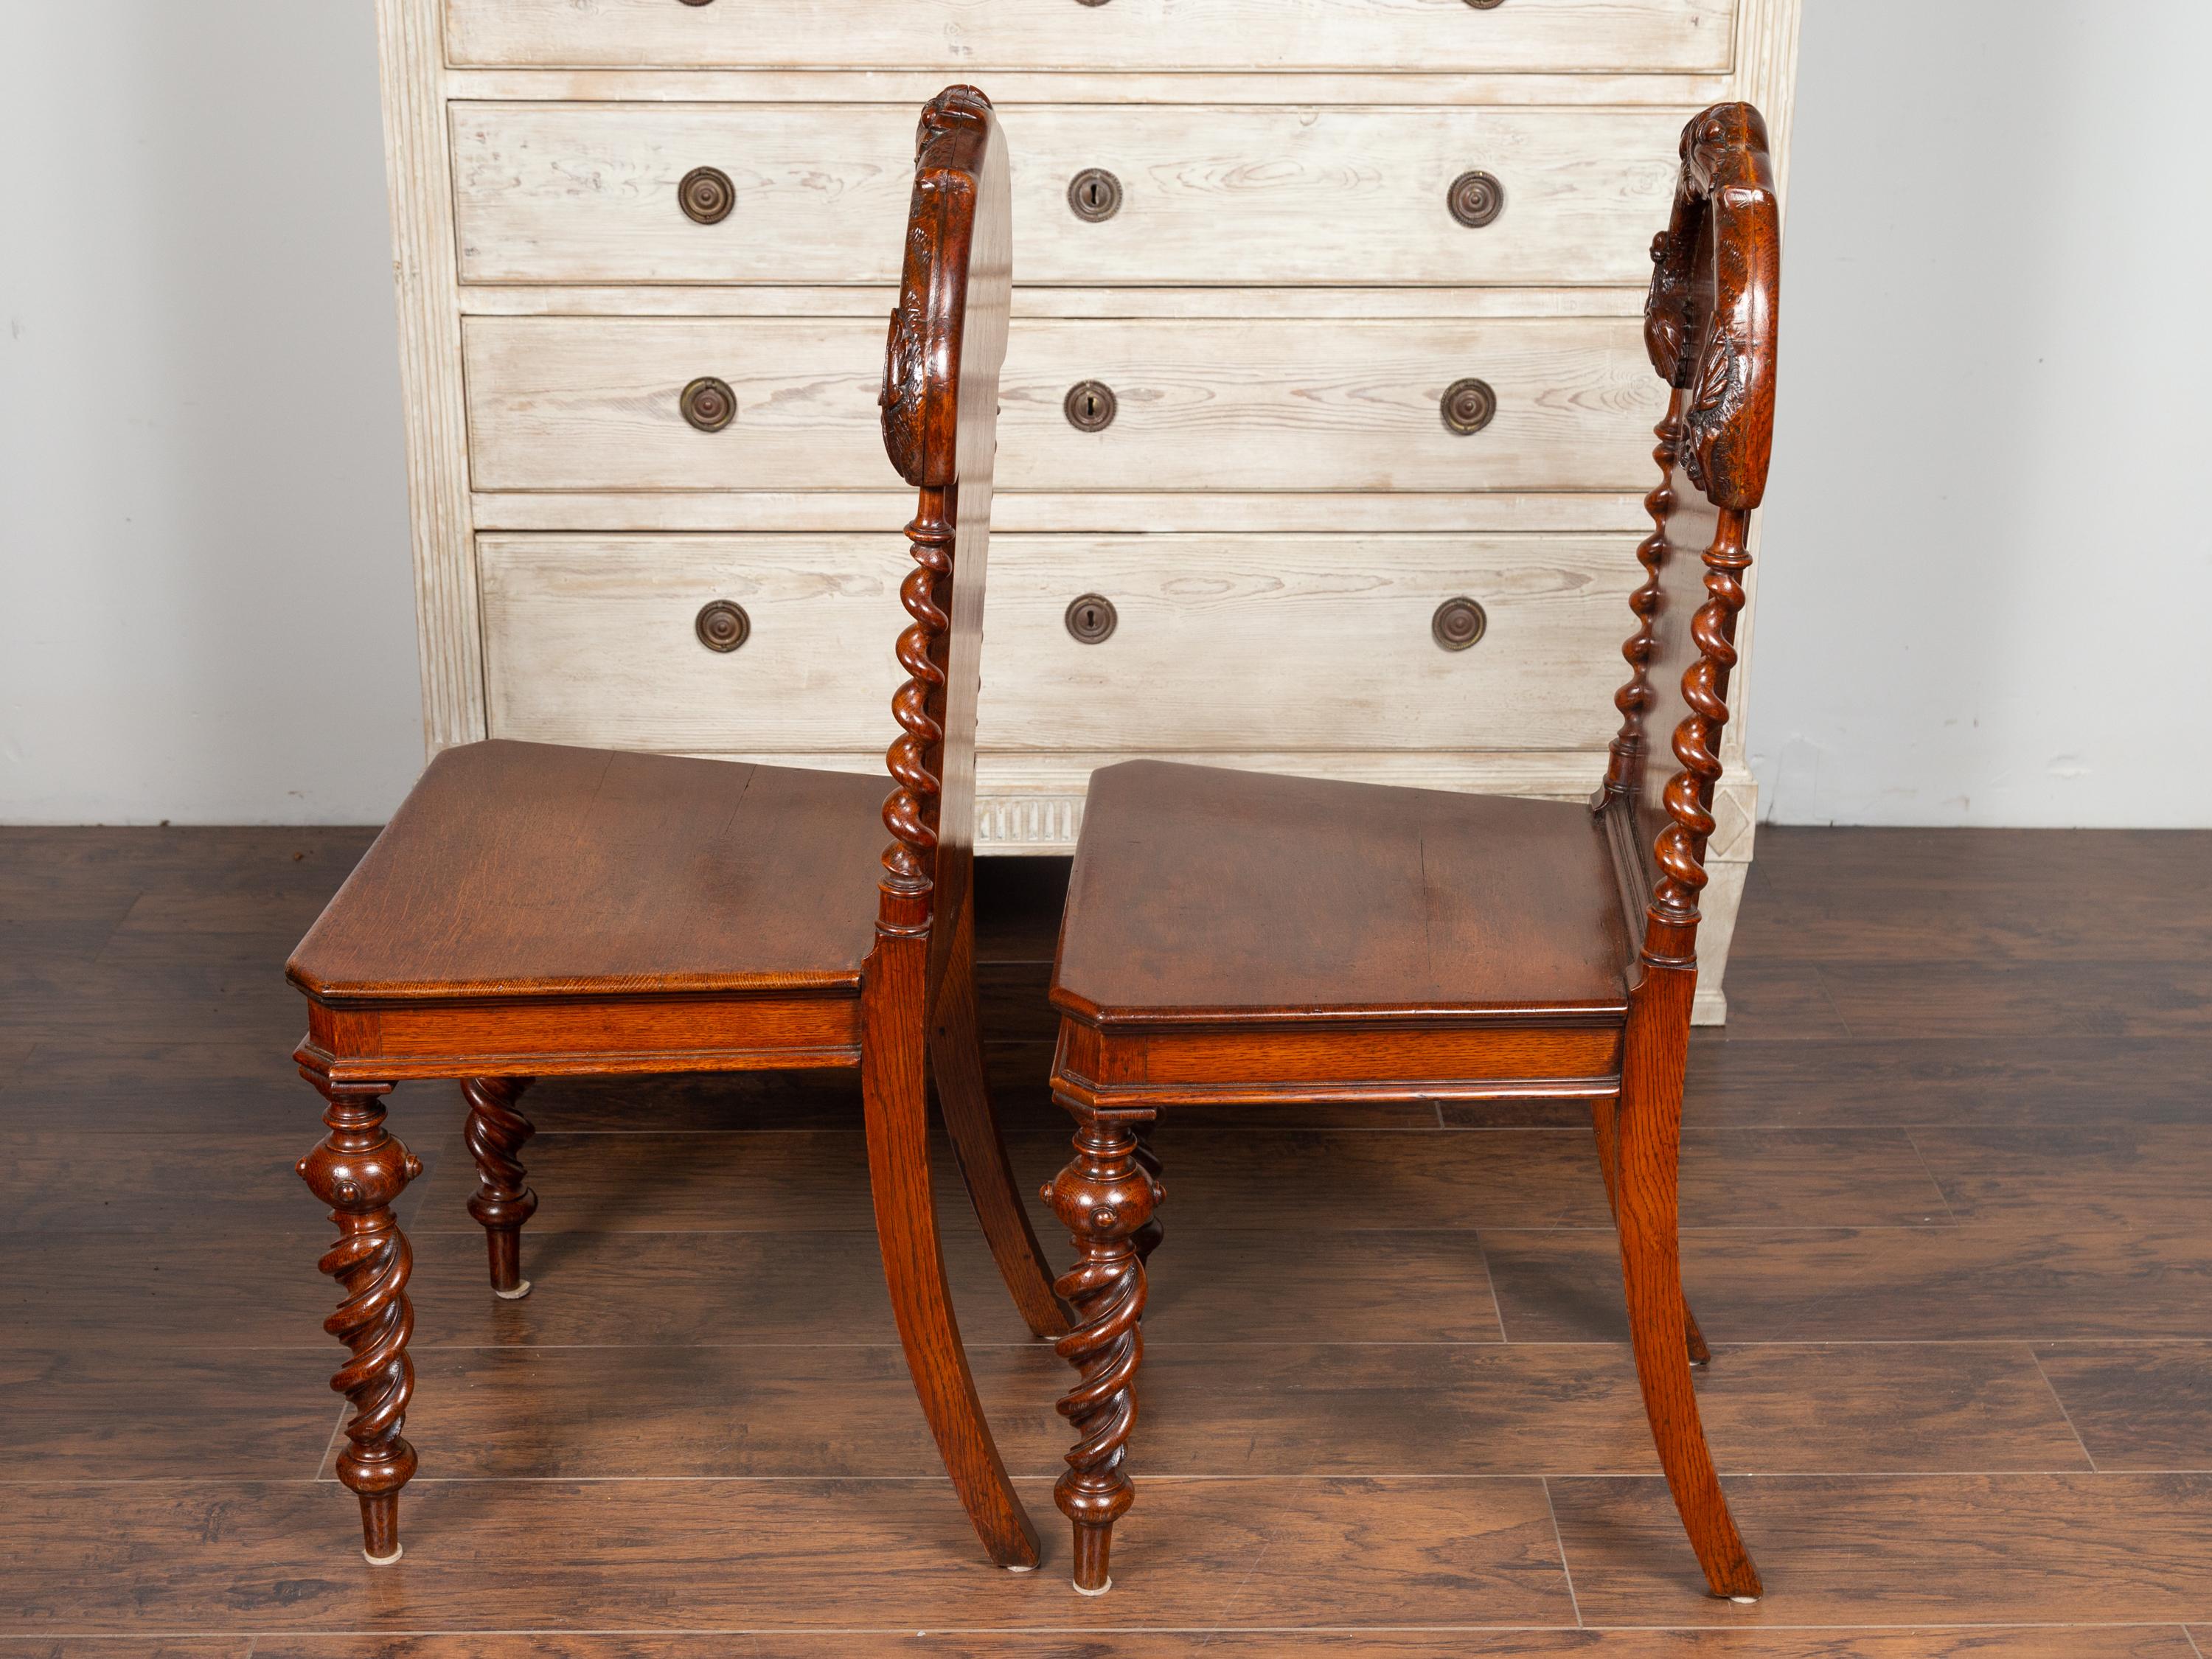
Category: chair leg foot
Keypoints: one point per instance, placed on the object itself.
(358, 1169)
(1649, 1138)
(379, 1528)
(1103, 1197)
(501, 1201)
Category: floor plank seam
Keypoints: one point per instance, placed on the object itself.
(2059, 1401)
(1566, 1569)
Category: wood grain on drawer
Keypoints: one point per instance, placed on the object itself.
(587, 193)
(591, 404)
(1277, 643)
(974, 36)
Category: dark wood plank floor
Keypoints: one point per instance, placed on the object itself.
(1945, 1182)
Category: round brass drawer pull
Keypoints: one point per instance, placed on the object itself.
(723, 625)
(1468, 404)
(1479, 5)
(1090, 406)
(706, 195)
(1476, 199)
(708, 403)
(1458, 624)
(1091, 618)
(1094, 195)
(708, 3)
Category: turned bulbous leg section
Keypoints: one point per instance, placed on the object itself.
(501, 1201)
(358, 1170)
(1104, 1197)
(1147, 1238)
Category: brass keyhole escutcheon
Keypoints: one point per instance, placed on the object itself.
(1094, 195)
(1468, 404)
(706, 195)
(1090, 406)
(723, 625)
(708, 403)
(1476, 199)
(1091, 618)
(1458, 624)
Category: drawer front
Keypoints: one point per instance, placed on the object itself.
(595, 403)
(975, 36)
(589, 194)
(1220, 643)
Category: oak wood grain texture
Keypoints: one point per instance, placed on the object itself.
(1981, 1642)
(113, 1411)
(1891, 896)
(1144, 34)
(1456, 903)
(1901, 1550)
(2021, 1281)
(586, 193)
(1217, 1410)
(574, 403)
(1965, 1081)
(815, 1178)
(589, 639)
(716, 1555)
(473, 890)
(2135, 1405)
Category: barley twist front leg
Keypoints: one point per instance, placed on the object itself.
(1104, 1197)
(358, 1169)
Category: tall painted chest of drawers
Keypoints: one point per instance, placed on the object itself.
(1326, 418)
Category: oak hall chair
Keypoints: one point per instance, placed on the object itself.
(1235, 938)
(534, 910)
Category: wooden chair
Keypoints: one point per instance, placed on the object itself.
(1235, 938)
(535, 910)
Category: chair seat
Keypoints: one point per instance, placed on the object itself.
(521, 869)
(1203, 892)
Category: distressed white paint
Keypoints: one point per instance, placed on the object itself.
(1284, 642)
(587, 193)
(591, 404)
(1153, 36)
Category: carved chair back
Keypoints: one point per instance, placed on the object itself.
(940, 407)
(1709, 328)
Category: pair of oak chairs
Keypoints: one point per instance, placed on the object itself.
(1229, 937)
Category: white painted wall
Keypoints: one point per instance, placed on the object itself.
(1988, 556)
(1985, 563)
(206, 610)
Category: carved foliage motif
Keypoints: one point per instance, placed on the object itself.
(920, 395)
(1708, 320)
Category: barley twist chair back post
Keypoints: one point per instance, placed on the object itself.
(940, 404)
(1710, 325)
